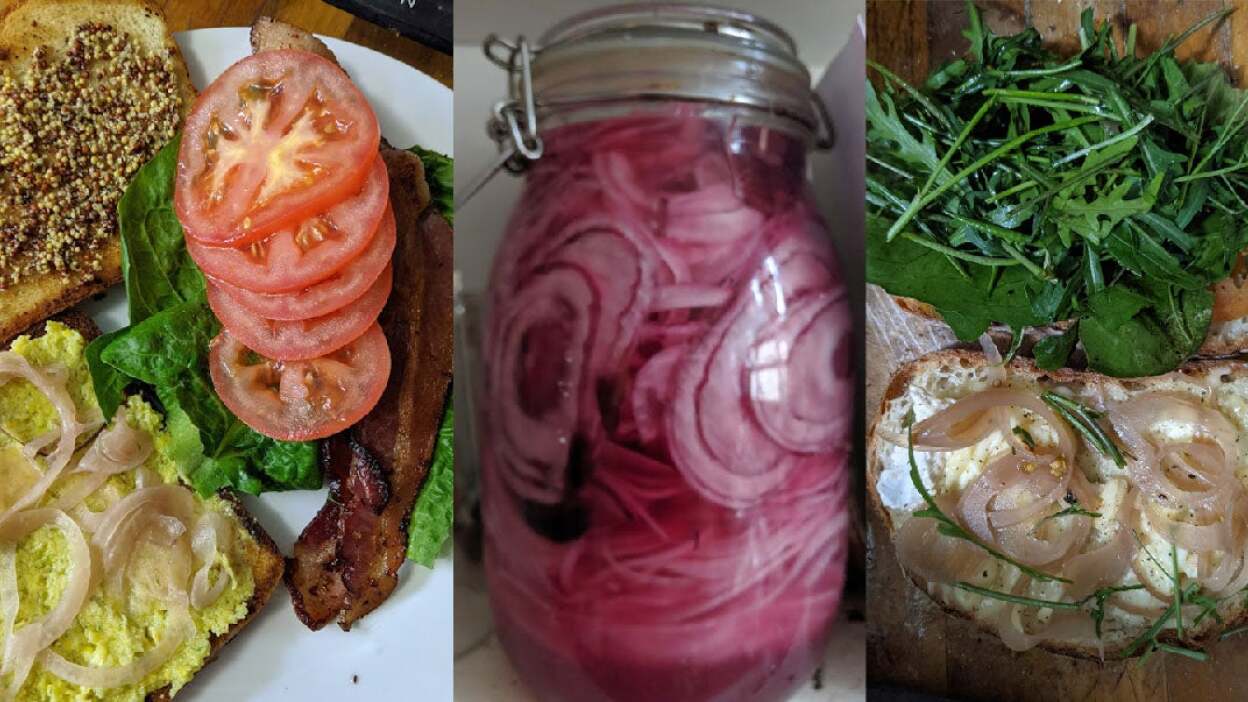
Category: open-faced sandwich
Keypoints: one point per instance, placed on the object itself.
(117, 581)
(1069, 510)
(1102, 195)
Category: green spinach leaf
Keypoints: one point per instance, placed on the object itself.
(1052, 352)
(157, 268)
(166, 348)
(110, 384)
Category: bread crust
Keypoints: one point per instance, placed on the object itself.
(1026, 367)
(1212, 347)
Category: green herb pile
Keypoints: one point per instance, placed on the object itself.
(165, 348)
(1023, 188)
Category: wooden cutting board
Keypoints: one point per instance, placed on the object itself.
(911, 644)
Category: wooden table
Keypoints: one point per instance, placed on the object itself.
(911, 644)
(312, 15)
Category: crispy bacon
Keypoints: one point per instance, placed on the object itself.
(346, 562)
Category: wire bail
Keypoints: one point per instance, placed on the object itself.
(514, 122)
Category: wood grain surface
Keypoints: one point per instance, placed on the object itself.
(314, 16)
(911, 644)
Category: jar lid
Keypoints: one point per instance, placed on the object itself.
(671, 51)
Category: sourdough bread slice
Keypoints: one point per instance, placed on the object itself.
(933, 382)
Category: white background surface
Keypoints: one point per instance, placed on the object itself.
(402, 650)
(820, 28)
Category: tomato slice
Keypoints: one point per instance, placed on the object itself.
(296, 258)
(329, 295)
(301, 400)
(277, 138)
(297, 340)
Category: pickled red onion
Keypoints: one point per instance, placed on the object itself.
(669, 375)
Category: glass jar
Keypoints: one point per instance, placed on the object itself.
(668, 377)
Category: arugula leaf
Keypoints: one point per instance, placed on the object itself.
(433, 515)
(1025, 437)
(1086, 421)
(440, 174)
(158, 270)
(1071, 511)
(1053, 352)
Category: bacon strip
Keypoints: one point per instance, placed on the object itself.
(346, 562)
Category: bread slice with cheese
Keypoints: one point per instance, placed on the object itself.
(89, 90)
(129, 607)
(1198, 406)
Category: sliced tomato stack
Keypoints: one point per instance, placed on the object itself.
(286, 206)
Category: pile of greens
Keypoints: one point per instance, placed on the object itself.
(165, 351)
(1023, 188)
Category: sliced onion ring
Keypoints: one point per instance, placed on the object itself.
(178, 628)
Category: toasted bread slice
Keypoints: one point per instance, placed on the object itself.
(261, 554)
(25, 26)
(932, 382)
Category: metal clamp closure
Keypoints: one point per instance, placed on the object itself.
(515, 119)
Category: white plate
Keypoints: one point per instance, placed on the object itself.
(402, 650)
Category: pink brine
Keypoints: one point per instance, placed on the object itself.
(669, 386)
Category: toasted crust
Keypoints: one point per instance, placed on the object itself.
(25, 25)
(916, 307)
(1214, 345)
(1025, 368)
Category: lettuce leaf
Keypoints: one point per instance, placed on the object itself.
(440, 174)
(434, 513)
